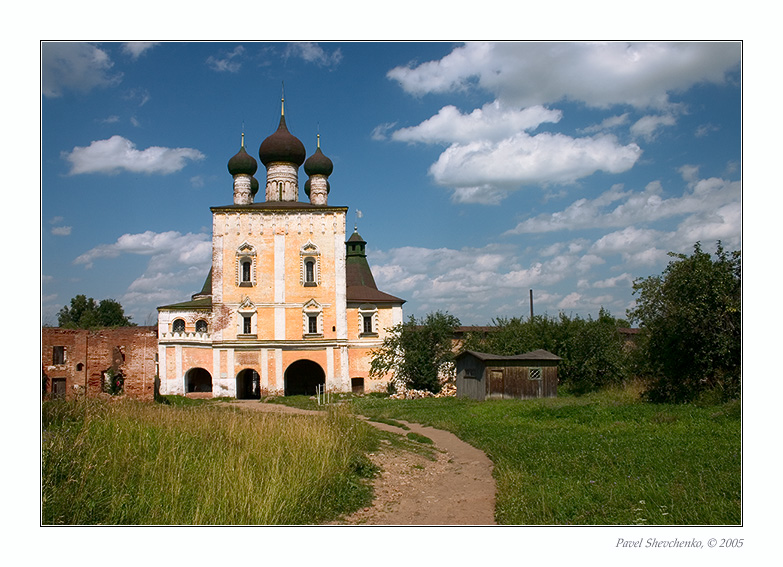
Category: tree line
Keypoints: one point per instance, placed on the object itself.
(689, 342)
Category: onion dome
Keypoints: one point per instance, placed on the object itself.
(318, 163)
(282, 146)
(242, 162)
(253, 186)
(307, 187)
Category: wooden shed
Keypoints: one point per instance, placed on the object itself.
(483, 376)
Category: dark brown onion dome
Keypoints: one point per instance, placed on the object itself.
(307, 187)
(282, 146)
(253, 186)
(318, 164)
(242, 162)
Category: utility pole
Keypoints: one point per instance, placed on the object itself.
(531, 304)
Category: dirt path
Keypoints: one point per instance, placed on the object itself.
(455, 489)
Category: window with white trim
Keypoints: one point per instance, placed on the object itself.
(246, 265)
(247, 319)
(310, 262)
(178, 326)
(368, 320)
(312, 319)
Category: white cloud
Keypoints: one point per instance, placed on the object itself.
(479, 282)
(227, 62)
(178, 264)
(491, 150)
(139, 96)
(723, 223)
(526, 160)
(705, 130)
(118, 153)
(624, 279)
(137, 48)
(380, 131)
(491, 122)
(61, 230)
(598, 74)
(570, 301)
(165, 248)
(619, 208)
(314, 53)
(78, 67)
(483, 195)
(690, 173)
(607, 124)
(647, 127)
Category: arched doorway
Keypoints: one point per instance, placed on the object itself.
(248, 385)
(303, 377)
(198, 380)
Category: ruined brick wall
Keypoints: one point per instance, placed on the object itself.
(130, 351)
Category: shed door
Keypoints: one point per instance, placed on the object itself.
(496, 383)
(58, 387)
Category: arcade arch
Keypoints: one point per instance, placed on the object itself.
(248, 385)
(303, 377)
(198, 380)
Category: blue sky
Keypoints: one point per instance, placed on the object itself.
(481, 170)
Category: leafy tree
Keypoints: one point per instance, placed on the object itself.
(417, 351)
(85, 313)
(690, 318)
(592, 350)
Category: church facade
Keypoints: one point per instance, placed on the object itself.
(290, 303)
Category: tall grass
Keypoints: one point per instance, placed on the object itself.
(131, 463)
(604, 458)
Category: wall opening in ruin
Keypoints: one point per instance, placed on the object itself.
(198, 380)
(58, 388)
(303, 377)
(248, 385)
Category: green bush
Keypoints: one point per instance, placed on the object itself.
(691, 321)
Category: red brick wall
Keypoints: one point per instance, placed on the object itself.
(129, 350)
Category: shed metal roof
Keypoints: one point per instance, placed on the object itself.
(539, 354)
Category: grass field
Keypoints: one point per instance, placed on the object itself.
(604, 458)
(599, 459)
(132, 463)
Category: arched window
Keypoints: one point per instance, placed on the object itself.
(178, 326)
(201, 326)
(246, 268)
(310, 259)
